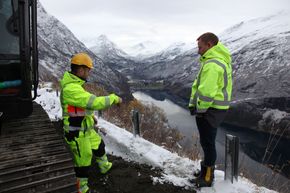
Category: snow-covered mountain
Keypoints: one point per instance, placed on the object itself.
(104, 48)
(176, 65)
(111, 54)
(169, 53)
(260, 51)
(143, 49)
(261, 58)
(56, 46)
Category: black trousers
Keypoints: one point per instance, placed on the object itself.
(207, 135)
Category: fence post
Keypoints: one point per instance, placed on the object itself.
(231, 158)
(136, 122)
(100, 113)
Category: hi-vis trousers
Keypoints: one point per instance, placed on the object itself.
(83, 146)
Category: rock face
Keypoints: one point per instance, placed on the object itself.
(270, 115)
(260, 50)
(56, 46)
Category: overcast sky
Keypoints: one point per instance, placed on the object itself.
(128, 22)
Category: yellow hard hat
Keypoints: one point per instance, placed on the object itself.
(82, 59)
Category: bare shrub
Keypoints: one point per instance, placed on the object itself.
(55, 85)
(154, 124)
(194, 151)
(263, 179)
(95, 89)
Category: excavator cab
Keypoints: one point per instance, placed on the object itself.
(18, 58)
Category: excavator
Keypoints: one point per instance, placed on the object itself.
(33, 156)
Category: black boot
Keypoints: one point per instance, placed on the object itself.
(206, 176)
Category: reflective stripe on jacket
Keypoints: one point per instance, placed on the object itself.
(78, 105)
(213, 86)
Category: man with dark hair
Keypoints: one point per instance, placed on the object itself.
(210, 99)
(78, 107)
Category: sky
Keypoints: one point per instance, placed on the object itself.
(129, 22)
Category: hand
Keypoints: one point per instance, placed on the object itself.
(192, 110)
(119, 101)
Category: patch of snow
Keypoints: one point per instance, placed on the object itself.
(48, 99)
(252, 30)
(275, 115)
(143, 49)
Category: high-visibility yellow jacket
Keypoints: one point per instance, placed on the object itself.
(78, 105)
(212, 87)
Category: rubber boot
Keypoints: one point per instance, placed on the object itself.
(82, 185)
(104, 164)
(197, 172)
(206, 176)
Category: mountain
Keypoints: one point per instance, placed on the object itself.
(57, 44)
(111, 54)
(169, 64)
(260, 51)
(105, 48)
(169, 53)
(260, 56)
(143, 49)
(175, 66)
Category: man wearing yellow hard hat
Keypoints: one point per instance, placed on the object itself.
(78, 107)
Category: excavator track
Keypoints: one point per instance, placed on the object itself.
(33, 156)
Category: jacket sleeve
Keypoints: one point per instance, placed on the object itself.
(208, 87)
(193, 90)
(77, 96)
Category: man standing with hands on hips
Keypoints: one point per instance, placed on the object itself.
(210, 99)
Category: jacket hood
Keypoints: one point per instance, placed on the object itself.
(70, 78)
(218, 51)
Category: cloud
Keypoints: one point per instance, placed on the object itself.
(126, 21)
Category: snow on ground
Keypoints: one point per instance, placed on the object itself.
(48, 99)
(275, 115)
(176, 169)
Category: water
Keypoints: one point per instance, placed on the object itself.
(252, 144)
(178, 117)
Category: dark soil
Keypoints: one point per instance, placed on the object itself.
(129, 177)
